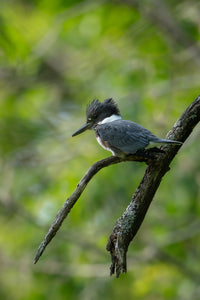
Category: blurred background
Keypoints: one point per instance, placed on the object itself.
(55, 57)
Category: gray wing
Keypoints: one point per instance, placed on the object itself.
(125, 136)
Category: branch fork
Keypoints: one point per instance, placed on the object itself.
(126, 227)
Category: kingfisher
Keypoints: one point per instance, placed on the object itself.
(121, 137)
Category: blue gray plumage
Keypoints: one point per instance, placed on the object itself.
(114, 134)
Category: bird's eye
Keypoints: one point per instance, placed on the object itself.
(89, 119)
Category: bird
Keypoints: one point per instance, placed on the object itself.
(120, 137)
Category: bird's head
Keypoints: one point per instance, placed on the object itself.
(96, 112)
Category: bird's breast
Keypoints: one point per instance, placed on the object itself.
(102, 143)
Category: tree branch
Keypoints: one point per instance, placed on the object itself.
(126, 227)
(128, 224)
(145, 156)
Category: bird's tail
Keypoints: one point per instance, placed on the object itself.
(165, 141)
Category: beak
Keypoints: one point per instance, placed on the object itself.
(82, 129)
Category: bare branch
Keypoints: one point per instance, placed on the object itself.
(128, 224)
(145, 156)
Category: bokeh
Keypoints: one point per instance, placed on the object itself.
(55, 57)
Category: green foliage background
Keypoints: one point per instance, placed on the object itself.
(55, 57)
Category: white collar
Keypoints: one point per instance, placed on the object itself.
(110, 119)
